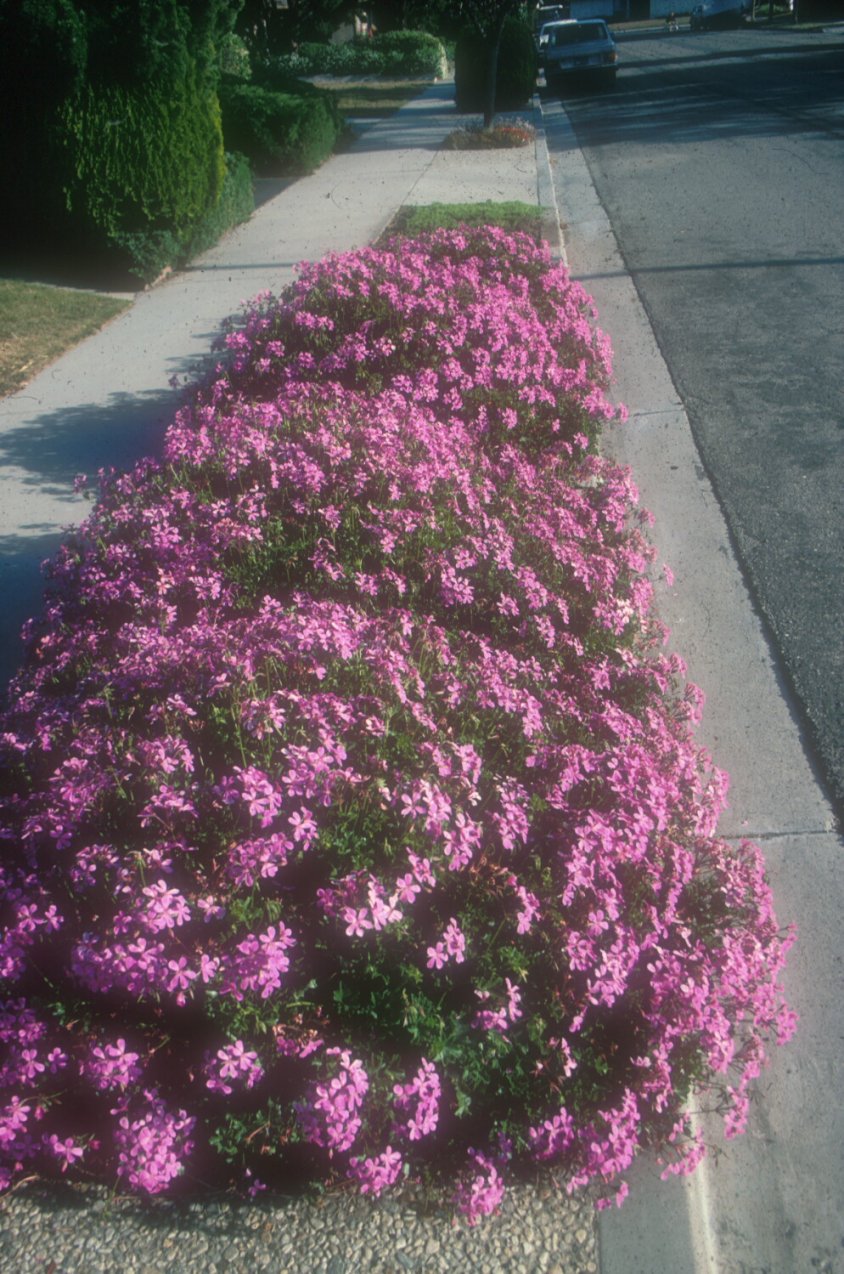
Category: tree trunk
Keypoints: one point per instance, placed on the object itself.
(492, 72)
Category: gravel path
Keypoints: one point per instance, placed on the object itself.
(83, 1230)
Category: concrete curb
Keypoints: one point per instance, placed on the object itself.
(546, 195)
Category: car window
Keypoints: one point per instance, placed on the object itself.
(577, 33)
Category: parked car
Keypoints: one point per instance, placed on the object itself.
(578, 48)
(717, 15)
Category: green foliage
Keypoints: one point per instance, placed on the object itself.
(410, 53)
(516, 77)
(355, 58)
(274, 73)
(279, 133)
(133, 41)
(43, 51)
(268, 29)
(43, 56)
(144, 158)
(236, 204)
(111, 123)
(440, 17)
(233, 57)
(397, 53)
(146, 253)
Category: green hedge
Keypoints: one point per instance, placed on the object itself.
(112, 142)
(407, 53)
(146, 253)
(143, 158)
(236, 204)
(356, 58)
(517, 67)
(401, 54)
(280, 133)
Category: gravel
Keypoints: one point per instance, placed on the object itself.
(87, 1230)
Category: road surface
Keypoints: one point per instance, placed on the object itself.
(719, 159)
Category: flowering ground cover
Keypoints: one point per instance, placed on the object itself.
(353, 822)
(502, 136)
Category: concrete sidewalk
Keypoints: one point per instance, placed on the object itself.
(773, 1202)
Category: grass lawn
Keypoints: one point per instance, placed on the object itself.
(38, 322)
(373, 98)
(417, 219)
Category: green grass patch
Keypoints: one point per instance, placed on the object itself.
(513, 215)
(38, 322)
(373, 100)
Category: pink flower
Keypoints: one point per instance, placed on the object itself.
(66, 1151)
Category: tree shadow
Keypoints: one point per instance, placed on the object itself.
(47, 452)
(682, 99)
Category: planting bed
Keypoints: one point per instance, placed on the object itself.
(353, 824)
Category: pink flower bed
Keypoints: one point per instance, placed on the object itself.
(353, 824)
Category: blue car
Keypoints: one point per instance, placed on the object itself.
(578, 50)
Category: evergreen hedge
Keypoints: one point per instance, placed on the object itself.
(144, 158)
(280, 133)
(112, 142)
(396, 53)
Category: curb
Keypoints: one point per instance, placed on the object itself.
(546, 195)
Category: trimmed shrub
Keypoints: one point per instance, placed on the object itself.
(410, 53)
(354, 58)
(517, 67)
(145, 254)
(274, 74)
(279, 132)
(234, 59)
(354, 825)
(401, 54)
(142, 160)
(236, 204)
(111, 125)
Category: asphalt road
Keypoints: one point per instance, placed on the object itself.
(719, 159)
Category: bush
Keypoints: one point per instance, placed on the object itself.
(401, 54)
(517, 66)
(142, 160)
(111, 127)
(279, 132)
(274, 74)
(354, 823)
(146, 254)
(234, 59)
(410, 54)
(235, 205)
(354, 58)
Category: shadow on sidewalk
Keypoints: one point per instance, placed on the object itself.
(54, 447)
